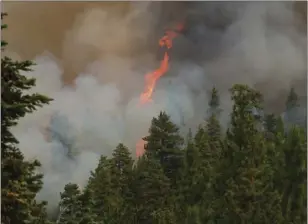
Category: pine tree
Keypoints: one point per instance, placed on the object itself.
(121, 167)
(164, 143)
(191, 184)
(151, 190)
(121, 176)
(292, 100)
(275, 140)
(86, 200)
(249, 196)
(192, 178)
(70, 205)
(292, 115)
(213, 129)
(75, 206)
(295, 191)
(270, 122)
(20, 181)
(214, 103)
(210, 156)
(105, 199)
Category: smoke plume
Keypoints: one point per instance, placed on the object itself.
(91, 59)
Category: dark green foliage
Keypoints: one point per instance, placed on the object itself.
(151, 190)
(192, 179)
(214, 103)
(75, 206)
(20, 181)
(104, 200)
(292, 100)
(70, 204)
(164, 143)
(242, 176)
(270, 123)
(249, 195)
(121, 177)
(295, 185)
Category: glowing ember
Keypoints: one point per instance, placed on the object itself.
(151, 78)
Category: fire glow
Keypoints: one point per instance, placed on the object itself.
(152, 77)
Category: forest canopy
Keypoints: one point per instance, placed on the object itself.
(252, 172)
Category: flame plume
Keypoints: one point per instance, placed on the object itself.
(151, 78)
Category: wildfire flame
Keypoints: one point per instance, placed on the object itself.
(151, 78)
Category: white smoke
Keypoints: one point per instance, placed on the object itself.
(100, 108)
(86, 121)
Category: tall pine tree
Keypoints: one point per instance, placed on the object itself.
(292, 113)
(76, 206)
(152, 193)
(210, 154)
(20, 181)
(165, 144)
(249, 196)
(70, 205)
(105, 200)
(121, 166)
(294, 202)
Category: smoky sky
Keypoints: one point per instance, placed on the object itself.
(91, 58)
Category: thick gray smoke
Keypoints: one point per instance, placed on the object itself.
(91, 59)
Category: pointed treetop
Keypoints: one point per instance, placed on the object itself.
(292, 100)
(121, 150)
(215, 101)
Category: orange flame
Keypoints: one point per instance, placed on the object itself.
(151, 78)
(140, 148)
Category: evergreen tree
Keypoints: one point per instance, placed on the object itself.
(210, 157)
(20, 181)
(105, 200)
(275, 140)
(70, 205)
(164, 143)
(192, 178)
(151, 190)
(121, 167)
(295, 192)
(121, 176)
(270, 123)
(213, 131)
(191, 183)
(249, 196)
(75, 206)
(200, 139)
(292, 115)
(87, 216)
(292, 100)
(214, 103)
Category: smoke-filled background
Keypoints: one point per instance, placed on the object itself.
(92, 57)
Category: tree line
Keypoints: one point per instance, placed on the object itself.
(254, 172)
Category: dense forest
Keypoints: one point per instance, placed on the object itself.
(253, 172)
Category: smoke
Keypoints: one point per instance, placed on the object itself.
(91, 59)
